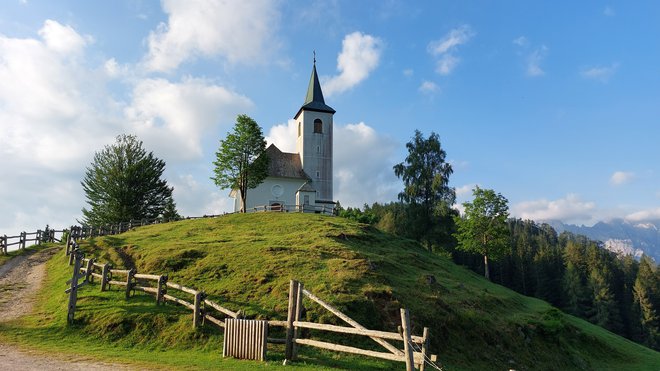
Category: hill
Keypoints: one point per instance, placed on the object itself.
(246, 262)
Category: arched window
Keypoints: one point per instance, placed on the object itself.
(298, 129)
(318, 126)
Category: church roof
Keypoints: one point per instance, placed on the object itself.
(307, 187)
(284, 165)
(314, 99)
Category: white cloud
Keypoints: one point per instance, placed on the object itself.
(534, 60)
(196, 199)
(371, 179)
(599, 73)
(355, 182)
(533, 56)
(408, 72)
(454, 38)
(570, 209)
(521, 41)
(445, 48)
(621, 177)
(446, 64)
(360, 55)
(283, 136)
(62, 39)
(174, 117)
(465, 190)
(429, 87)
(239, 31)
(644, 215)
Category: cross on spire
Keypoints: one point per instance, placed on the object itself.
(314, 57)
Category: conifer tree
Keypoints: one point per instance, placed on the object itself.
(645, 291)
(124, 182)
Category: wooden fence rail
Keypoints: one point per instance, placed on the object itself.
(22, 239)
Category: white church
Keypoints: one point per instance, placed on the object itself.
(300, 181)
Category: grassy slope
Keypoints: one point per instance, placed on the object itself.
(246, 261)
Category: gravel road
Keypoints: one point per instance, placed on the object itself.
(13, 278)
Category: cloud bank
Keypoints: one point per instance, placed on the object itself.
(359, 57)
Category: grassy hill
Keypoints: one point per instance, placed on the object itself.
(246, 261)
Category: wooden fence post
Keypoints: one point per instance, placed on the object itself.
(21, 240)
(73, 293)
(3, 244)
(162, 289)
(407, 340)
(105, 276)
(129, 282)
(197, 312)
(293, 298)
(38, 237)
(296, 331)
(88, 270)
(425, 348)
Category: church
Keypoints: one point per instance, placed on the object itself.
(300, 181)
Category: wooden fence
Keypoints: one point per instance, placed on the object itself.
(316, 209)
(22, 239)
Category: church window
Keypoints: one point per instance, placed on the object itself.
(318, 174)
(298, 129)
(318, 126)
(318, 149)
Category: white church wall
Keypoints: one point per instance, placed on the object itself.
(282, 190)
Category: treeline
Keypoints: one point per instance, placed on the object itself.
(569, 271)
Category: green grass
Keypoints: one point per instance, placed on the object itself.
(246, 261)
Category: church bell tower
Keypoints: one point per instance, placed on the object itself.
(314, 141)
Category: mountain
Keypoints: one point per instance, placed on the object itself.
(620, 235)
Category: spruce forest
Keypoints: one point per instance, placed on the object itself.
(571, 272)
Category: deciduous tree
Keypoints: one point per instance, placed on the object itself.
(241, 162)
(425, 176)
(483, 229)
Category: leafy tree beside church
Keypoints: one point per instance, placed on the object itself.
(241, 163)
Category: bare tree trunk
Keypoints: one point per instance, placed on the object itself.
(486, 270)
(243, 202)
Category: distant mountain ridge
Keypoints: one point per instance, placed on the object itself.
(619, 235)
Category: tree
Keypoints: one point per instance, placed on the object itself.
(170, 212)
(425, 176)
(483, 228)
(241, 162)
(123, 183)
(645, 303)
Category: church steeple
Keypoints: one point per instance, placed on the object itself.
(314, 99)
(314, 140)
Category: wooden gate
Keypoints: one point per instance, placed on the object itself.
(245, 339)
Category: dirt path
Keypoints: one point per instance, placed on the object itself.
(13, 278)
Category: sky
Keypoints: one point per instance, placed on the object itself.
(553, 104)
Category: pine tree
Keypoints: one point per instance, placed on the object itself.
(645, 292)
(124, 182)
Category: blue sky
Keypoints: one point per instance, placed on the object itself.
(553, 104)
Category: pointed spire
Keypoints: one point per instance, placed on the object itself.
(314, 93)
(314, 99)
